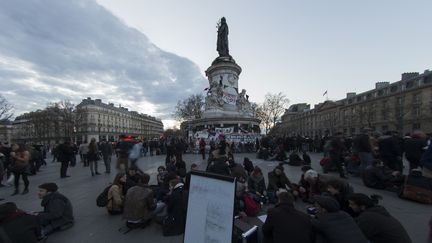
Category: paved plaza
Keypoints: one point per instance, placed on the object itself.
(93, 224)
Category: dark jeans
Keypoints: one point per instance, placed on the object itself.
(17, 177)
(63, 168)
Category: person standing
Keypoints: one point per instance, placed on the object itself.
(20, 166)
(414, 149)
(65, 154)
(83, 151)
(284, 222)
(202, 145)
(106, 150)
(92, 157)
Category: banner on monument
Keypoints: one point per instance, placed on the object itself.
(202, 134)
(228, 98)
(224, 130)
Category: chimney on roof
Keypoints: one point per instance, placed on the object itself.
(379, 85)
(406, 76)
(350, 94)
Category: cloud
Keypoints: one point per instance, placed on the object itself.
(52, 50)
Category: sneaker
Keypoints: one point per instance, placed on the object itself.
(97, 173)
(25, 191)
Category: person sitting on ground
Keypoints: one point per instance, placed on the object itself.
(279, 153)
(379, 177)
(277, 180)
(139, 204)
(375, 222)
(237, 170)
(219, 164)
(194, 167)
(294, 159)
(248, 165)
(162, 172)
(58, 212)
(115, 195)
(306, 158)
(340, 190)
(133, 177)
(17, 225)
(180, 168)
(333, 225)
(176, 203)
(310, 184)
(256, 185)
(285, 222)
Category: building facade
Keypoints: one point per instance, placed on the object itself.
(6, 131)
(99, 120)
(402, 106)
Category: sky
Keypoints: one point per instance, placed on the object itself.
(147, 55)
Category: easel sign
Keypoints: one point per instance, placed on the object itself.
(210, 213)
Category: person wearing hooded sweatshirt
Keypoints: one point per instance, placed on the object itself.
(286, 224)
(375, 222)
(333, 225)
(58, 212)
(16, 225)
(340, 190)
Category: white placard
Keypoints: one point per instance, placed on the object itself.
(210, 213)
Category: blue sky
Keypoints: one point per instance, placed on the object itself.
(301, 48)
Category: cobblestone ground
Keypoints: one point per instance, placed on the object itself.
(93, 224)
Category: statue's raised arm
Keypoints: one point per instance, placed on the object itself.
(222, 41)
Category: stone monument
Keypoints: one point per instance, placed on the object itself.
(225, 106)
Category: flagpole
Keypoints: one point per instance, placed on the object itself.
(327, 95)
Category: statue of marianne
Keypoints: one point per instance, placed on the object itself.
(222, 41)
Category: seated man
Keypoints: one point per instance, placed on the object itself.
(294, 159)
(58, 212)
(140, 205)
(17, 225)
(284, 223)
(378, 177)
(334, 225)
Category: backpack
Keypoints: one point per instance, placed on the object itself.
(251, 207)
(102, 199)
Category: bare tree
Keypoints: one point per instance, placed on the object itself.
(271, 109)
(5, 109)
(190, 108)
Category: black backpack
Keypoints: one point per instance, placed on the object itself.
(102, 199)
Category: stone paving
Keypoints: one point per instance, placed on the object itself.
(93, 224)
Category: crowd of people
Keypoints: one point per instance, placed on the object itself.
(335, 213)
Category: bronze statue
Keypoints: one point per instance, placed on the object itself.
(222, 41)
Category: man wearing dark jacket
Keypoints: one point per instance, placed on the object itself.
(375, 222)
(176, 203)
(414, 148)
(65, 154)
(378, 177)
(286, 224)
(333, 225)
(58, 212)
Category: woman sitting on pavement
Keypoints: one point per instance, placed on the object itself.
(115, 195)
(375, 222)
(256, 186)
